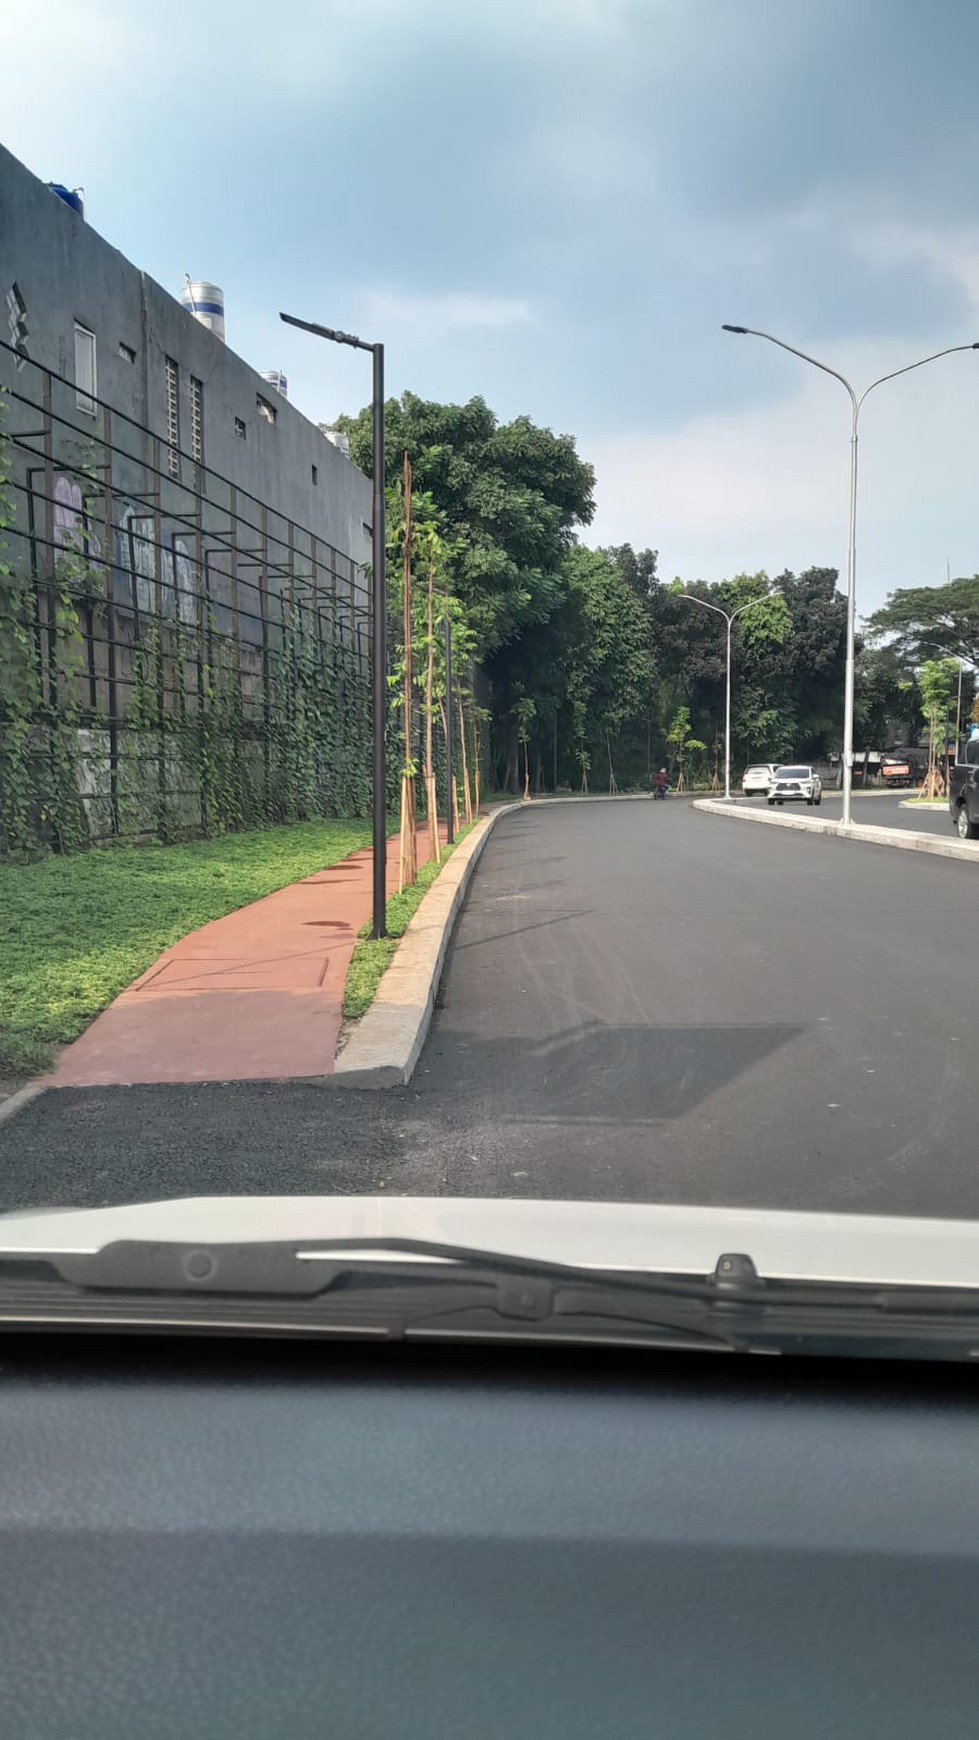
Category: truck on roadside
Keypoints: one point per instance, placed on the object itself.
(963, 790)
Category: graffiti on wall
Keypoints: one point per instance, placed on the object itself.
(17, 324)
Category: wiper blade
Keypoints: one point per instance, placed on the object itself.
(397, 1286)
(309, 1266)
(419, 1289)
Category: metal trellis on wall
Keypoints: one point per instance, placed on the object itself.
(178, 658)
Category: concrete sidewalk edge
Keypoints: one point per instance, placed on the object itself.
(16, 1102)
(864, 833)
(386, 1044)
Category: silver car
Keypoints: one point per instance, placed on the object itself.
(796, 785)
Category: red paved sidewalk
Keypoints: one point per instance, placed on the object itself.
(254, 996)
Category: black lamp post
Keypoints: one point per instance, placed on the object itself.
(378, 616)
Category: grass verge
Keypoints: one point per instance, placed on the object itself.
(373, 955)
(75, 931)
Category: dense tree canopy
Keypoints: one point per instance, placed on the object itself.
(922, 621)
(509, 496)
(588, 658)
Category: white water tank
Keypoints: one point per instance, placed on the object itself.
(206, 303)
(337, 438)
(276, 379)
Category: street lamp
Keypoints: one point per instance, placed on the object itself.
(851, 561)
(729, 617)
(378, 618)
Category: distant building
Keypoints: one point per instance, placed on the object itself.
(214, 547)
(74, 305)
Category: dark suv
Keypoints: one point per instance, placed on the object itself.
(963, 791)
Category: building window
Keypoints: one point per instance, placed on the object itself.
(240, 429)
(314, 474)
(173, 417)
(264, 409)
(126, 352)
(86, 382)
(196, 421)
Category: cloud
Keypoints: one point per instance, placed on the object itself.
(768, 488)
(951, 253)
(429, 316)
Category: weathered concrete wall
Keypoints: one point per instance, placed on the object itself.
(65, 271)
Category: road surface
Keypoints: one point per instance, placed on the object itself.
(880, 809)
(642, 1002)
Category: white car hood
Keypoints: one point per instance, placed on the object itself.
(632, 1236)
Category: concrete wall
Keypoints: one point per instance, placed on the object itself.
(65, 272)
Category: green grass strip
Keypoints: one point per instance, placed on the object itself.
(372, 956)
(75, 931)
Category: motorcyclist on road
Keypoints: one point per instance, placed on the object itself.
(662, 785)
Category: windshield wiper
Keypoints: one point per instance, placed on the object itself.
(394, 1288)
(390, 1287)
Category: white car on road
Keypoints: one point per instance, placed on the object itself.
(758, 778)
(795, 785)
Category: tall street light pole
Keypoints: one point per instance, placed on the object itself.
(729, 617)
(856, 404)
(378, 617)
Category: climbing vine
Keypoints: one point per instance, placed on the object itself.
(19, 687)
(122, 720)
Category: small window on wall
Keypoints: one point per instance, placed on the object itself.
(314, 474)
(127, 352)
(240, 429)
(86, 382)
(196, 420)
(264, 409)
(173, 417)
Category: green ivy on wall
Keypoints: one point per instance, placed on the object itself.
(210, 736)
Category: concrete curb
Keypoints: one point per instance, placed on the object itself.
(866, 834)
(15, 1103)
(385, 1045)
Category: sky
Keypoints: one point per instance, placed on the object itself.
(556, 204)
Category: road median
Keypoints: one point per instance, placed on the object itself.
(866, 834)
(384, 1047)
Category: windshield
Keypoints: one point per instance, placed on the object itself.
(417, 509)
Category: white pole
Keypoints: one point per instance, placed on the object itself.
(849, 680)
(851, 564)
(729, 617)
(727, 716)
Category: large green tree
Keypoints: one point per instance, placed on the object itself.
(589, 672)
(788, 656)
(637, 567)
(922, 621)
(509, 496)
(888, 699)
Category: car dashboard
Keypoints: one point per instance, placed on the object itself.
(260, 1538)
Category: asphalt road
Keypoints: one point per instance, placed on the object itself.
(642, 1002)
(881, 809)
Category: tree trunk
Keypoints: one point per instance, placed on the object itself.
(612, 784)
(408, 862)
(453, 793)
(431, 794)
(526, 771)
(476, 760)
(513, 767)
(465, 763)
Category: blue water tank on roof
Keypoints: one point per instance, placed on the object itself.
(73, 196)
